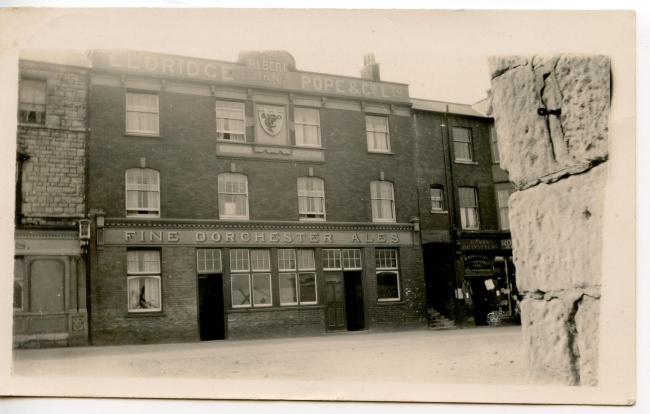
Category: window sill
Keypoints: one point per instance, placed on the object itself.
(391, 302)
(233, 218)
(384, 221)
(465, 162)
(145, 314)
(47, 126)
(472, 229)
(439, 212)
(312, 219)
(275, 308)
(381, 152)
(135, 134)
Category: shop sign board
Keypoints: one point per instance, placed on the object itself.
(478, 244)
(478, 265)
(506, 244)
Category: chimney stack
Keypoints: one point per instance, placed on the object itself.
(370, 69)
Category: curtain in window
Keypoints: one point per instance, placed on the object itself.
(233, 195)
(468, 208)
(142, 190)
(231, 122)
(377, 133)
(495, 146)
(142, 112)
(503, 196)
(381, 194)
(144, 293)
(143, 261)
(32, 101)
(311, 197)
(307, 123)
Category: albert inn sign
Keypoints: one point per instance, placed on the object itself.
(263, 71)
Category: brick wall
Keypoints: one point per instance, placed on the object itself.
(277, 323)
(53, 178)
(110, 321)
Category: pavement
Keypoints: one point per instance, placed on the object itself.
(485, 355)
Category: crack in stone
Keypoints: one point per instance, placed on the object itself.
(572, 335)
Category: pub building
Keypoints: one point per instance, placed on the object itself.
(249, 199)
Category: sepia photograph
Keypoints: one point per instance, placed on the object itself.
(319, 205)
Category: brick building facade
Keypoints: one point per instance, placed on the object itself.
(50, 268)
(249, 200)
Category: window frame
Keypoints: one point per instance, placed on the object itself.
(494, 140)
(19, 279)
(388, 269)
(156, 191)
(40, 120)
(469, 144)
(374, 198)
(243, 119)
(341, 259)
(370, 130)
(222, 214)
(437, 199)
(133, 275)
(322, 198)
(206, 271)
(296, 272)
(127, 111)
(497, 189)
(318, 128)
(465, 209)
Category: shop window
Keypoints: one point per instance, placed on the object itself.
(233, 196)
(463, 144)
(495, 147)
(143, 280)
(377, 133)
(382, 199)
(435, 193)
(307, 124)
(250, 275)
(142, 193)
(503, 194)
(387, 275)
(311, 198)
(208, 261)
(342, 259)
(468, 208)
(142, 113)
(18, 283)
(31, 108)
(231, 121)
(299, 286)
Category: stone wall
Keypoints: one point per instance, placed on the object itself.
(551, 115)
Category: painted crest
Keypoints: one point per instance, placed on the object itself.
(271, 120)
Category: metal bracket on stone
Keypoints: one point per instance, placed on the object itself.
(544, 112)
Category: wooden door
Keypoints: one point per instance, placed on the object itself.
(335, 302)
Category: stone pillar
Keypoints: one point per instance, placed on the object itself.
(551, 115)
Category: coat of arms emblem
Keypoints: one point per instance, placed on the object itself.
(271, 120)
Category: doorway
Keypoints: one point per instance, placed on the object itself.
(344, 301)
(211, 313)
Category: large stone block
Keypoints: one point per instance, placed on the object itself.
(543, 148)
(557, 232)
(549, 341)
(587, 337)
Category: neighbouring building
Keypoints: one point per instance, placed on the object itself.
(464, 214)
(249, 199)
(51, 229)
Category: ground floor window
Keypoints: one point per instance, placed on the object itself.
(342, 259)
(143, 281)
(18, 283)
(298, 277)
(386, 264)
(251, 278)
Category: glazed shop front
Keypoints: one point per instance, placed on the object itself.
(489, 284)
(188, 282)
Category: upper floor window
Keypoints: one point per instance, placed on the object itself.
(31, 108)
(468, 208)
(311, 198)
(436, 198)
(142, 113)
(233, 196)
(383, 201)
(307, 123)
(142, 192)
(503, 194)
(495, 147)
(231, 121)
(377, 133)
(463, 144)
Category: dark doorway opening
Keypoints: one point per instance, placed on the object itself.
(354, 301)
(211, 313)
(481, 299)
(440, 279)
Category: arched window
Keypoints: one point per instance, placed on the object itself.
(311, 198)
(233, 196)
(382, 198)
(142, 193)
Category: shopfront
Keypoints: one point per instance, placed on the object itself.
(488, 282)
(201, 281)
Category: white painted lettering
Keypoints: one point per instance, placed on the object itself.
(355, 238)
(213, 71)
(274, 237)
(192, 68)
(394, 238)
(327, 237)
(128, 234)
(368, 239)
(168, 64)
(230, 237)
(339, 86)
(216, 237)
(381, 238)
(365, 88)
(300, 236)
(129, 64)
(265, 65)
(259, 237)
(246, 237)
(313, 237)
(226, 73)
(318, 84)
(199, 236)
(287, 238)
(172, 236)
(353, 87)
(251, 64)
(150, 63)
(328, 83)
(383, 93)
(305, 80)
(156, 235)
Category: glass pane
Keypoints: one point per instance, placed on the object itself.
(144, 293)
(351, 259)
(286, 259)
(239, 260)
(387, 285)
(143, 261)
(307, 287)
(262, 289)
(208, 260)
(331, 259)
(306, 260)
(240, 290)
(385, 259)
(260, 260)
(288, 288)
